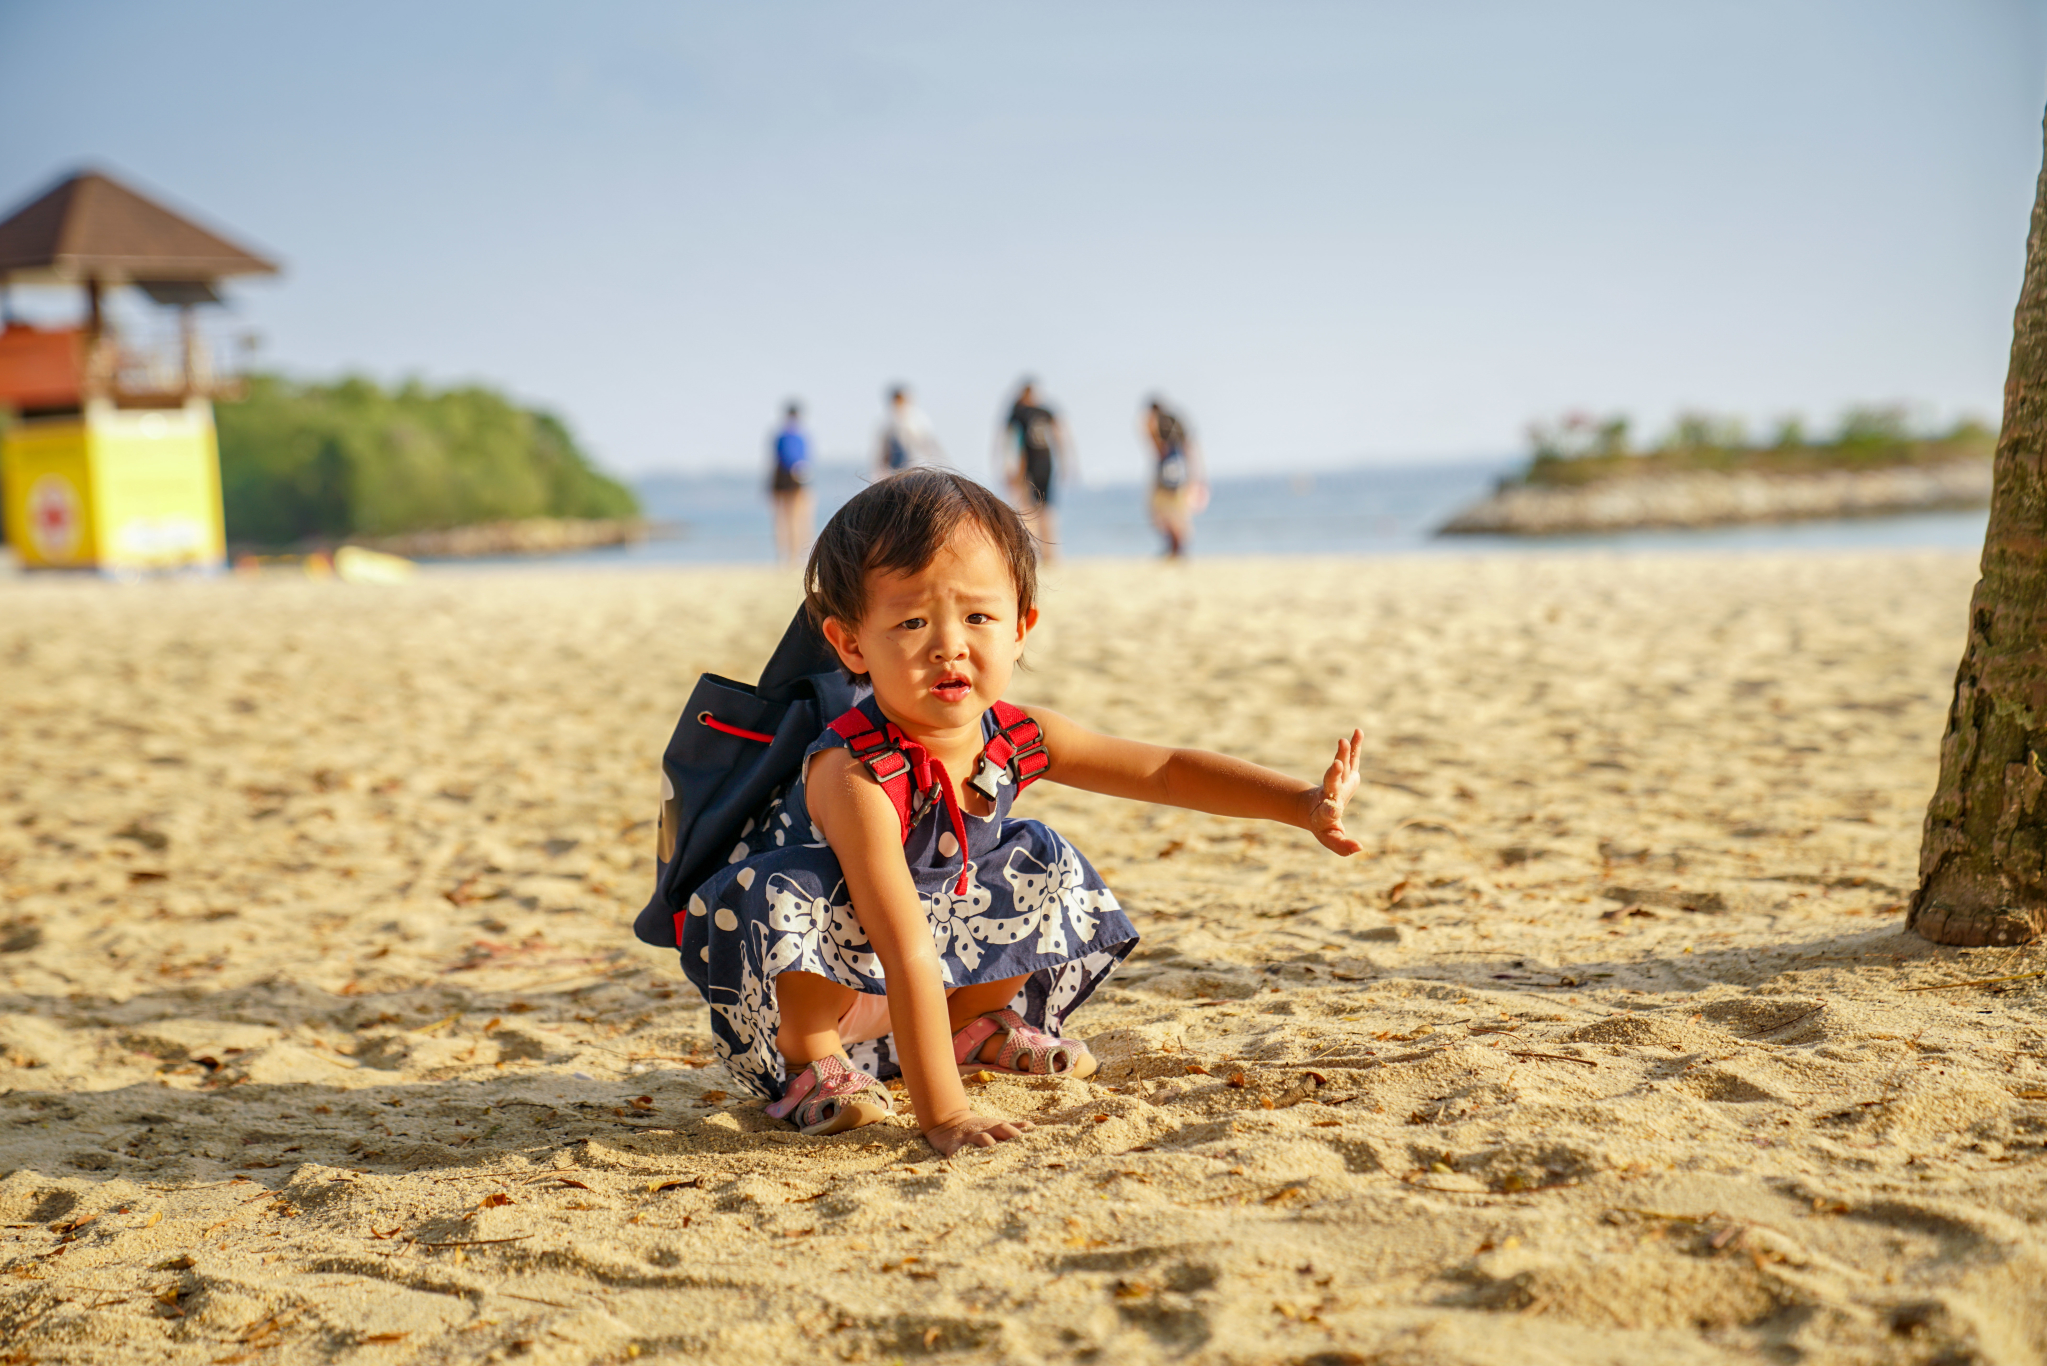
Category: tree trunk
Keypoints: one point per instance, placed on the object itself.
(1983, 864)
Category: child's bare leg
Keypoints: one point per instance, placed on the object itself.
(831, 1097)
(811, 1006)
(970, 1003)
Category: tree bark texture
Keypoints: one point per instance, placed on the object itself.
(1983, 862)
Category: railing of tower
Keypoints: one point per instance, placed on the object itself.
(165, 371)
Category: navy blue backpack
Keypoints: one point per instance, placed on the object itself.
(734, 748)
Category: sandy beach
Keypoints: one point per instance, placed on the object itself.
(323, 1036)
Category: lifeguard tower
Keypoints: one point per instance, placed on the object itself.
(110, 460)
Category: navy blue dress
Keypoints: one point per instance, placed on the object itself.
(1032, 906)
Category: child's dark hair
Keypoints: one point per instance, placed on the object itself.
(898, 525)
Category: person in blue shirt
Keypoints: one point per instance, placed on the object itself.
(789, 487)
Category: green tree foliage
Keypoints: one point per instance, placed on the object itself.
(1575, 437)
(1705, 432)
(302, 461)
(1582, 449)
(1875, 429)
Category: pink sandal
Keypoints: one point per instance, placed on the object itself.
(831, 1096)
(1027, 1052)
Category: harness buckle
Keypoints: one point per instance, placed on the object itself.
(875, 763)
(1029, 760)
(987, 779)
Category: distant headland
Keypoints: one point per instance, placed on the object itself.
(1585, 477)
(419, 471)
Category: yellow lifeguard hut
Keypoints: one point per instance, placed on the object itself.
(109, 461)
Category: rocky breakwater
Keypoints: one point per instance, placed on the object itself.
(1700, 498)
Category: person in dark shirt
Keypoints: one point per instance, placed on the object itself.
(1037, 453)
(789, 486)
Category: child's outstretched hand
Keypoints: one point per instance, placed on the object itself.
(972, 1131)
(1325, 822)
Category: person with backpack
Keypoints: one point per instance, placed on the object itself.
(886, 911)
(1178, 491)
(906, 437)
(789, 485)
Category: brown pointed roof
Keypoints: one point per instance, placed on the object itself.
(90, 226)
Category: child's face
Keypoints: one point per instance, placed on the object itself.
(939, 645)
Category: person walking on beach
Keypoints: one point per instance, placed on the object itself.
(1037, 450)
(1178, 490)
(876, 917)
(789, 486)
(906, 437)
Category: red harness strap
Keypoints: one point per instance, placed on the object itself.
(1018, 746)
(905, 768)
(887, 758)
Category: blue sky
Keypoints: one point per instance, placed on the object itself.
(1336, 233)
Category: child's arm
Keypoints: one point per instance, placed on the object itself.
(1203, 781)
(861, 825)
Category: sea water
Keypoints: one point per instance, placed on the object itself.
(1372, 510)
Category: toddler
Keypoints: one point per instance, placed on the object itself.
(887, 914)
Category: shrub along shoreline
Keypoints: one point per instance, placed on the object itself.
(319, 463)
(1584, 478)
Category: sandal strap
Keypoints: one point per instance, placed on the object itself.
(1025, 1047)
(972, 1035)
